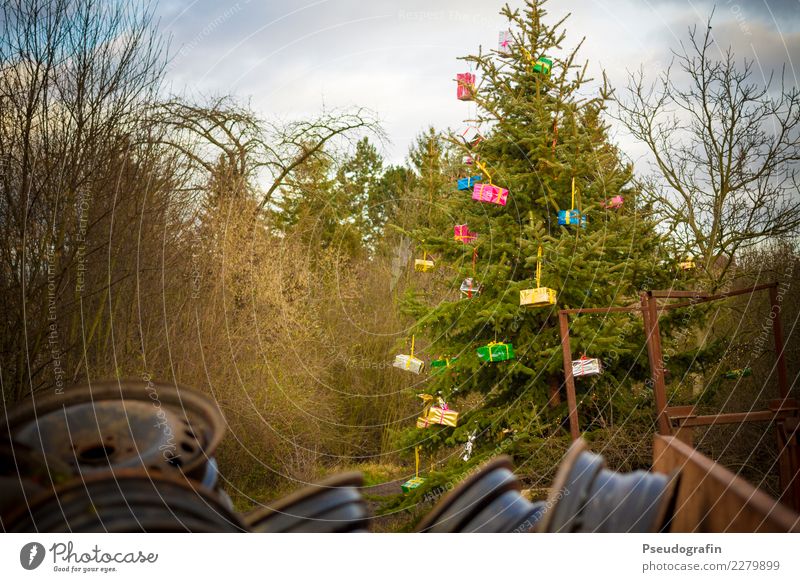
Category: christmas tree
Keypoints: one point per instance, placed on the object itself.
(541, 118)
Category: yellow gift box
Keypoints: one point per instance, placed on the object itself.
(437, 415)
(538, 297)
(423, 265)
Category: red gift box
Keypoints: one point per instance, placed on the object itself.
(461, 232)
(466, 86)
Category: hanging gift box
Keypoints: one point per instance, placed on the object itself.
(412, 484)
(538, 297)
(490, 193)
(467, 183)
(440, 415)
(736, 374)
(571, 217)
(465, 86)
(470, 287)
(505, 42)
(586, 367)
(686, 265)
(423, 265)
(495, 352)
(463, 234)
(471, 137)
(416, 480)
(466, 160)
(543, 66)
(614, 203)
(438, 366)
(408, 362)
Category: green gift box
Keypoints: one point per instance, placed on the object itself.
(438, 366)
(412, 484)
(736, 374)
(496, 352)
(542, 66)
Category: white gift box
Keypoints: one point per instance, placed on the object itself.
(469, 287)
(471, 136)
(586, 367)
(409, 363)
(504, 42)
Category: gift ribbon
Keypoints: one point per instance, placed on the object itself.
(442, 409)
(573, 193)
(472, 279)
(408, 361)
(427, 400)
(416, 454)
(527, 55)
(569, 212)
(487, 172)
(539, 267)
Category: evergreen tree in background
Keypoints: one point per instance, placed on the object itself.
(542, 131)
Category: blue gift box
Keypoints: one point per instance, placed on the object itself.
(571, 218)
(468, 183)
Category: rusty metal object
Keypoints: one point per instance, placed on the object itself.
(23, 475)
(586, 497)
(487, 501)
(330, 506)
(126, 501)
(124, 424)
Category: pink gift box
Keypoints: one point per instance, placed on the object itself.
(490, 193)
(466, 86)
(461, 232)
(614, 202)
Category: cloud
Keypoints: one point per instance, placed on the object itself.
(400, 58)
(784, 11)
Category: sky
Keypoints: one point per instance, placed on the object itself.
(292, 59)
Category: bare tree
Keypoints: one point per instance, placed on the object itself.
(725, 150)
(222, 136)
(74, 75)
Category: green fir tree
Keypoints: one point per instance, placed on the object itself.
(541, 131)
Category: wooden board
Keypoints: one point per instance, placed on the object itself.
(712, 499)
